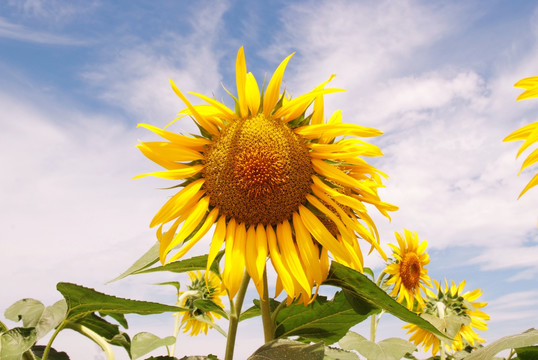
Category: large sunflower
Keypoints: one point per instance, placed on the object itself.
(458, 308)
(277, 182)
(528, 133)
(200, 289)
(408, 273)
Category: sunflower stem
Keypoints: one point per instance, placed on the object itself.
(265, 307)
(235, 309)
(373, 319)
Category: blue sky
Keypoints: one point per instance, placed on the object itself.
(77, 76)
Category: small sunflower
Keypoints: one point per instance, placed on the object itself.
(457, 308)
(200, 289)
(408, 273)
(528, 133)
(278, 183)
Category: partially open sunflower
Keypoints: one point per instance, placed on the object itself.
(278, 183)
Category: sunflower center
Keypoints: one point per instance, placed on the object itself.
(410, 270)
(257, 171)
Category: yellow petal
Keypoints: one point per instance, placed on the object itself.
(321, 234)
(252, 94)
(290, 256)
(309, 251)
(273, 89)
(293, 109)
(278, 264)
(532, 183)
(236, 267)
(251, 257)
(200, 119)
(216, 243)
(191, 222)
(197, 144)
(334, 130)
(208, 223)
(225, 112)
(240, 78)
(175, 174)
(177, 202)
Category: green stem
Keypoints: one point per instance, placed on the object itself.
(441, 312)
(98, 339)
(235, 311)
(373, 321)
(265, 307)
(512, 352)
(277, 310)
(49, 344)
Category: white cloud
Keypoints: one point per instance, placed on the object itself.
(135, 78)
(19, 32)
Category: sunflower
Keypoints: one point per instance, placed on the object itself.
(277, 182)
(407, 273)
(200, 289)
(528, 133)
(458, 308)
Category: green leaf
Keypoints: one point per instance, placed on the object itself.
(14, 342)
(388, 349)
(327, 320)
(339, 354)
(82, 301)
(527, 353)
(145, 342)
(528, 338)
(149, 258)
(283, 349)
(194, 263)
(27, 310)
(34, 314)
(110, 332)
(38, 350)
(175, 284)
(210, 306)
(255, 310)
(359, 285)
(208, 357)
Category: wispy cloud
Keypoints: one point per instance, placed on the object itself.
(22, 33)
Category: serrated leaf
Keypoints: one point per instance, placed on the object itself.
(358, 284)
(210, 306)
(208, 357)
(149, 258)
(82, 301)
(527, 353)
(388, 349)
(27, 310)
(14, 342)
(38, 350)
(528, 338)
(322, 320)
(282, 349)
(145, 342)
(339, 354)
(191, 264)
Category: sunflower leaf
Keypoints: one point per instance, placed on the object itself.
(210, 306)
(289, 349)
(145, 342)
(388, 349)
(149, 258)
(527, 353)
(359, 285)
(14, 342)
(194, 263)
(528, 338)
(82, 301)
(322, 320)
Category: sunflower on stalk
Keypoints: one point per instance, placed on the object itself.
(456, 313)
(196, 320)
(278, 183)
(528, 133)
